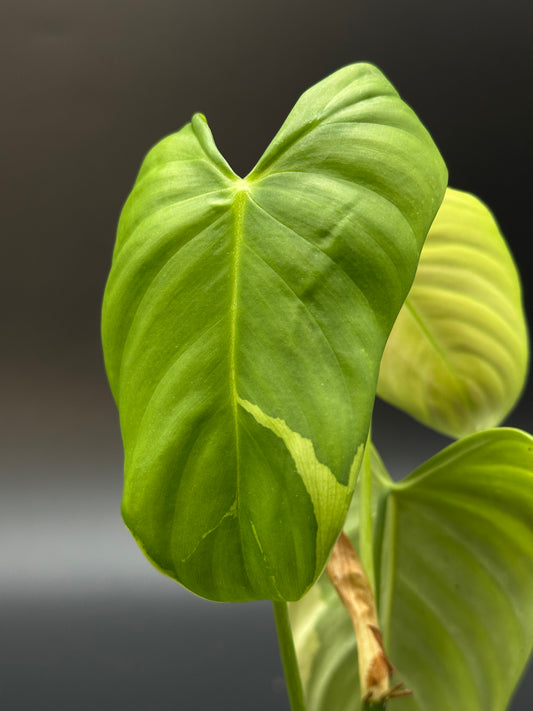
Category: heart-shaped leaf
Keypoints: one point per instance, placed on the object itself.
(243, 324)
(454, 582)
(457, 356)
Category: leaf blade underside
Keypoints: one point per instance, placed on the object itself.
(262, 290)
(457, 355)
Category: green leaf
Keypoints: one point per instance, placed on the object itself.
(243, 324)
(454, 584)
(457, 356)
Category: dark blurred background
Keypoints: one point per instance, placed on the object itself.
(87, 88)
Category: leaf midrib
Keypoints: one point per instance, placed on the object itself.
(238, 209)
(439, 351)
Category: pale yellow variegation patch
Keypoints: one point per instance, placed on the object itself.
(329, 497)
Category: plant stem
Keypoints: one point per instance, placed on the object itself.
(288, 657)
(366, 543)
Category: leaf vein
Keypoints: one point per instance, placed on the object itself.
(149, 287)
(150, 215)
(307, 310)
(318, 248)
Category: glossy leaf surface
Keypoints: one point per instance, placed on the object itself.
(243, 324)
(454, 581)
(457, 356)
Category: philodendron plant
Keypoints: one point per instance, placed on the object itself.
(248, 324)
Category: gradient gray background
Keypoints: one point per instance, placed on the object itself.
(87, 88)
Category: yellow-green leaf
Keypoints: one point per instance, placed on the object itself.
(457, 356)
